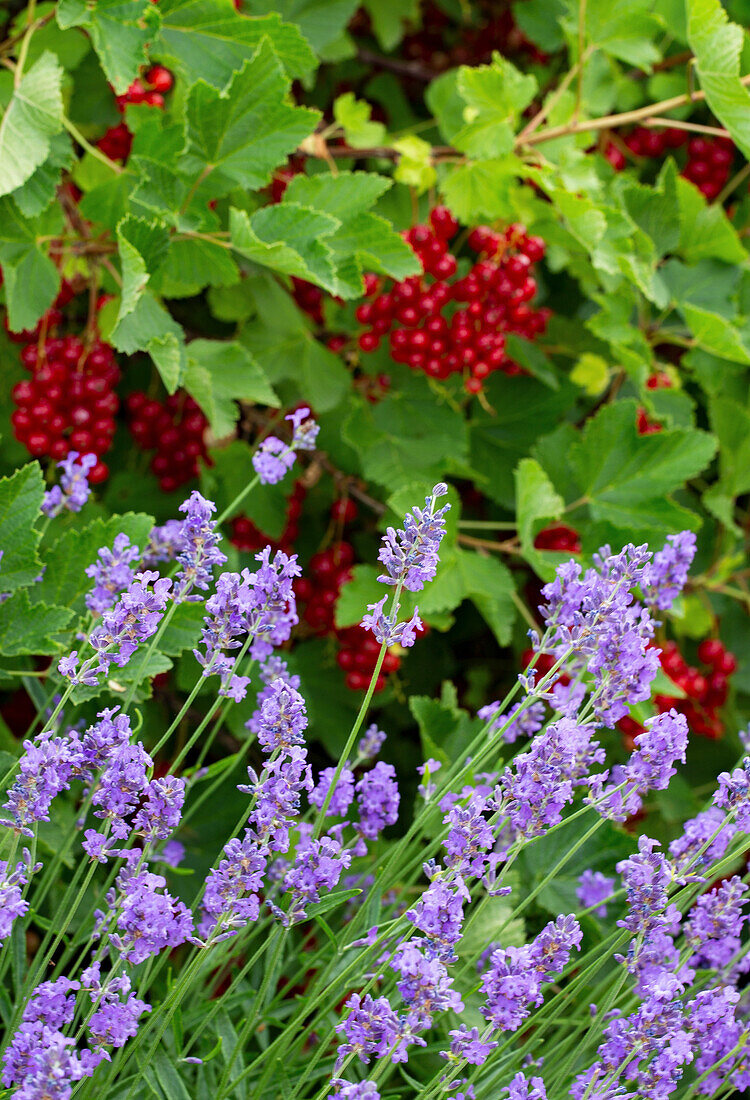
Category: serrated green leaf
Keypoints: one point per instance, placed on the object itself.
(537, 503)
(706, 231)
(287, 237)
(717, 45)
(27, 628)
(65, 580)
(193, 264)
(209, 40)
(321, 21)
(120, 31)
(389, 17)
(481, 189)
(626, 29)
(218, 375)
(624, 476)
(364, 241)
(415, 167)
(494, 97)
(712, 333)
(143, 245)
(353, 116)
(149, 327)
(36, 194)
(248, 129)
(32, 118)
(20, 500)
(655, 210)
(488, 583)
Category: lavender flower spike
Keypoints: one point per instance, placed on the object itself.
(274, 458)
(410, 555)
(198, 551)
(74, 489)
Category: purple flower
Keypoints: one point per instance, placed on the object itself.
(646, 875)
(424, 984)
(278, 791)
(40, 1059)
(733, 795)
(540, 782)
(469, 837)
(695, 834)
(371, 1027)
(115, 1019)
(466, 1045)
(112, 573)
(273, 668)
(378, 800)
(121, 785)
(650, 767)
(148, 918)
(522, 1088)
(317, 867)
(552, 947)
(44, 771)
(283, 719)
(173, 853)
(439, 914)
(715, 1033)
(593, 889)
(273, 612)
(511, 984)
(122, 628)
(75, 489)
(12, 883)
(161, 810)
(231, 895)
(386, 628)
(522, 720)
(664, 577)
(371, 744)
(343, 794)
(272, 460)
(714, 925)
(198, 551)
(163, 543)
(410, 555)
(304, 429)
(344, 1090)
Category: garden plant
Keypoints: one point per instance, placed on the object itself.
(374, 513)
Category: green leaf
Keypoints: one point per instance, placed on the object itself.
(209, 40)
(143, 245)
(353, 116)
(623, 476)
(218, 375)
(39, 190)
(193, 264)
(415, 167)
(20, 500)
(249, 128)
(364, 241)
(321, 21)
(31, 120)
(149, 327)
(537, 503)
(31, 279)
(712, 333)
(655, 210)
(65, 580)
(27, 628)
(338, 897)
(388, 18)
(120, 31)
(405, 433)
(717, 45)
(283, 345)
(481, 189)
(488, 583)
(170, 1082)
(626, 29)
(495, 96)
(287, 237)
(706, 231)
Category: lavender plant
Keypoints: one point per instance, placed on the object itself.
(343, 943)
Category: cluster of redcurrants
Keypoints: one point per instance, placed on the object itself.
(150, 90)
(174, 429)
(246, 536)
(705, 692)
(451, 325)
(709, 159)
(69, 403)
(559, 537)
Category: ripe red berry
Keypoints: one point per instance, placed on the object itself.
(344, 510)
(160, 79)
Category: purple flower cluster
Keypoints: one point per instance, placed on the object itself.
(146, 916)
(198, 549)
(274, 458)
(371, 1029)
(733, 795)
(74, 489)
(469, 836)
(378, 800)
(514, 977)
(522, 720)
(425, 987)
(439, 915)
(467, 1045)
(665, 575)
(594, 888)
(370, 745)
(112, 573)
(650, 767)
(12, 883)
(714, 925)
(532, 1088)
(118, 1010)
(317, 867)
(122, 628)
(343, 794)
